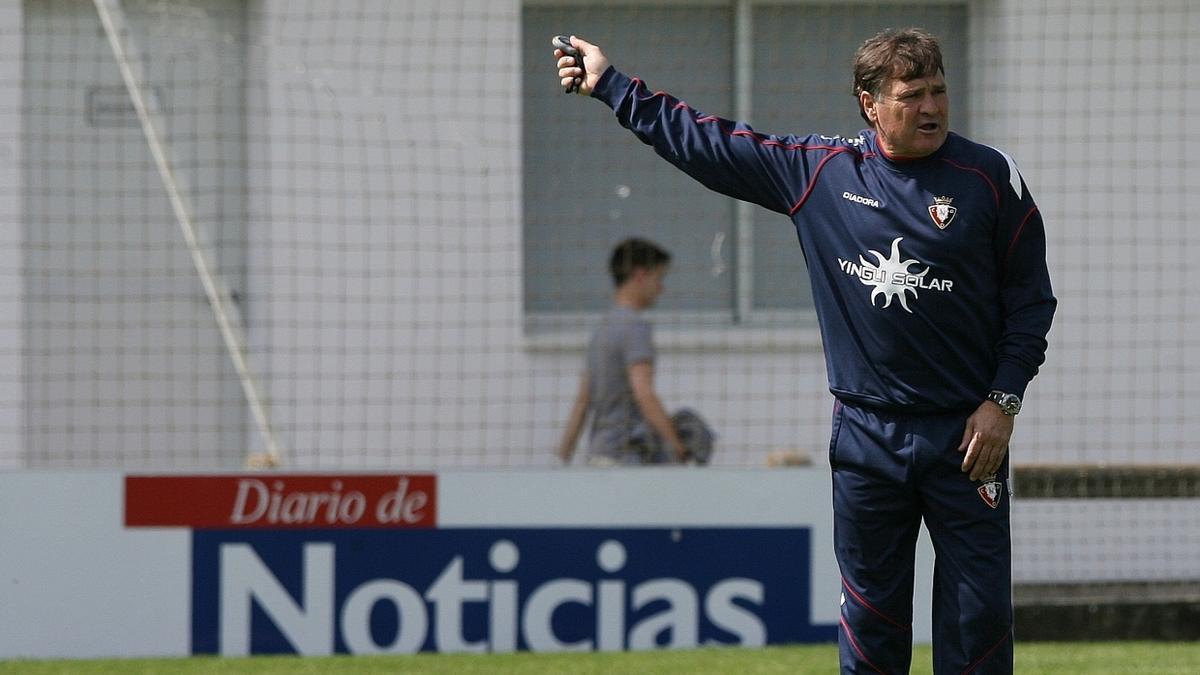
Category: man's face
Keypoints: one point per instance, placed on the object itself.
(911, 116)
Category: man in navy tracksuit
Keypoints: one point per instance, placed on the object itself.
(927, 259)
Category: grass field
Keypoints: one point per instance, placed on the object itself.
(1108, 658)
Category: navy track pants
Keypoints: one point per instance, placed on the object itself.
(890, 471)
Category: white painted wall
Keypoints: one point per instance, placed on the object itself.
(1086, 98)
(12, 237)
(384, 270)
(1091, 99)
(404, 346)
(384, 274)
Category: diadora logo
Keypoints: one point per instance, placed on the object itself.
(893, 278)
(859, 199)
(483, 590)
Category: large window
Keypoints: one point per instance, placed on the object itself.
(784, 68)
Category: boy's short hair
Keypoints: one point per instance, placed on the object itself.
(634, 253)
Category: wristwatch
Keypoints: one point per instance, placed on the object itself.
(1010, 404)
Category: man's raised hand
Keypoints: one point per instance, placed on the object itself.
(580, 63)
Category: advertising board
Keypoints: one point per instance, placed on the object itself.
(106, 564)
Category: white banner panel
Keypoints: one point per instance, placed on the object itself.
(100, 564)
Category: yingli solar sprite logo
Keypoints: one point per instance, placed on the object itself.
(281, 501)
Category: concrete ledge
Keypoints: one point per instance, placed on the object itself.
(1107, 482)
(1108, 611)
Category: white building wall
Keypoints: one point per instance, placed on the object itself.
(12, 237)
(447, 374)
(1087, 98)
(388, 308)
(384, 265)
(1092, 101)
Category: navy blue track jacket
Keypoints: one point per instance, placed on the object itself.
(929, 275)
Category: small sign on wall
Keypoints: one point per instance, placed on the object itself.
(109, 106)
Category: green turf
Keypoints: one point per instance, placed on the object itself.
(1168, 658)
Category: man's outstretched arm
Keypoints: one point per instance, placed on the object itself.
(726, 156)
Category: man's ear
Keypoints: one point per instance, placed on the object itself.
(867, 101)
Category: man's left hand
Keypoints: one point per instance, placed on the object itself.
(985, 440)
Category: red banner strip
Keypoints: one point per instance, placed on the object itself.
(279, 501)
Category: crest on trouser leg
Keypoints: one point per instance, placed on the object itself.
(991, 491)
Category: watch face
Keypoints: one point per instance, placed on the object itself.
(1010, 404)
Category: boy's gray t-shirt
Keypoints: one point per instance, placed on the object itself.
(622, 339)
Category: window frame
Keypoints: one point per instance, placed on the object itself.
(741, 325)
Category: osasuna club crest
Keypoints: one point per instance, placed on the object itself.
(942, 212)
(991, 491)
